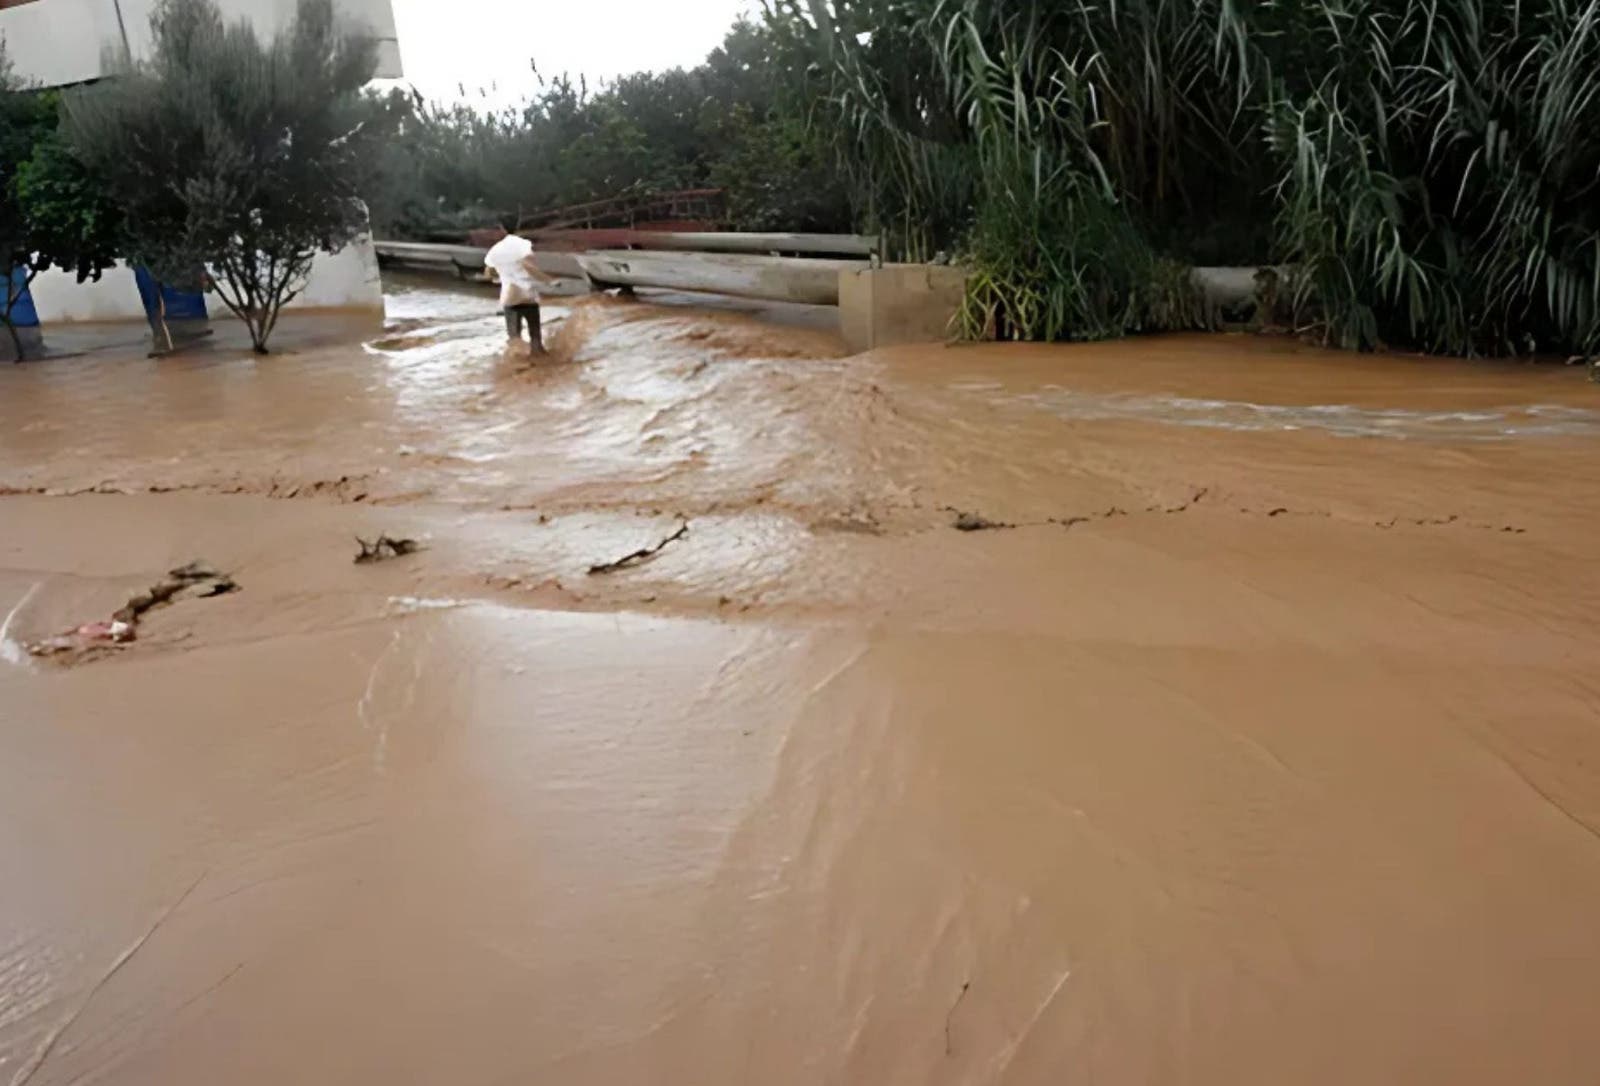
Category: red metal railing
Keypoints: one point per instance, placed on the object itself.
(609, 223)
(635, 211)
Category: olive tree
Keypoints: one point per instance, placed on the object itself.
(235, 160)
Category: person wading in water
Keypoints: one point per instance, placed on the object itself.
(511, 259)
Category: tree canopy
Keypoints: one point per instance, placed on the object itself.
(51, 213)
(235, 161)
(453, 167)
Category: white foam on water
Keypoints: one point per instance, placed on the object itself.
(11, 651)
(414, 604)
(1342, 420)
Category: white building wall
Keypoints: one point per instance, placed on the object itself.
(347, 280)
(55, 42)
(59, 297)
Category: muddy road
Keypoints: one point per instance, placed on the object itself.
(1249, 735)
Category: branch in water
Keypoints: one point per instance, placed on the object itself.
(640, 555)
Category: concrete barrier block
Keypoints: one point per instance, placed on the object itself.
(899, 303)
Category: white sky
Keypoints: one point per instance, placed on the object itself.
(447, 43)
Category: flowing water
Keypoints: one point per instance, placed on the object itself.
(1254, 740)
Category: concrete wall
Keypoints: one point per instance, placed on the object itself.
(346, 280)
(55, 42)
(899, 303)
(59, 297)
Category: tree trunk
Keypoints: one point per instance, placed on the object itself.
(161, 318)
(257, 323)
(16, 337)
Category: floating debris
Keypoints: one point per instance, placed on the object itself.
(976, 522)
(640, 555)
(196, 580)
(384, 548)
(849, 523)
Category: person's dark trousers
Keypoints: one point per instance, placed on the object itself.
(517, 315)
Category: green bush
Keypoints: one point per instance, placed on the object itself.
(1440, 179)
(52, 214)
(1430, 168)
(777, 176)
(725, 123)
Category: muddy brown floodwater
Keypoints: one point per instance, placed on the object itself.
(1252, 739)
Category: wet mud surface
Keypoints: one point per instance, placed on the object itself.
(1206, 710)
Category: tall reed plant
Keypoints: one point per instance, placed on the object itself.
(1428, 168)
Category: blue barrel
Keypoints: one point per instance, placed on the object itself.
(181, 305)
(23, 314)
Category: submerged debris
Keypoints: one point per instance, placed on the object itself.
(640, 555)
(976, 522)
(196, 580)
(949, 1047)
(849, 523)
(83, 639)
(384, 548)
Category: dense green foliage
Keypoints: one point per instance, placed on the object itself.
(1428, 169)
(723, 123)
(76, 225)
(234, 161)
(50, 213)
(982, 127)
(1441, 174)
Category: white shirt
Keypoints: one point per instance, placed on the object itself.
(517, 284)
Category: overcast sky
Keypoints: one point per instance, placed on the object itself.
(445, 44)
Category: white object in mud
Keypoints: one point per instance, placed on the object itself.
(508, 258)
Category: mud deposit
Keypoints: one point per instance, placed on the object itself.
(1253, 739)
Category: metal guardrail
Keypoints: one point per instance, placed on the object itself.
(427, 253)
(775, 266)
(803, 280)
